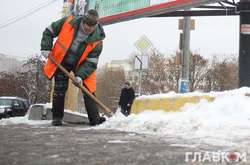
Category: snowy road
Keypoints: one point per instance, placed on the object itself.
(78, 144)
(31, 145)
(42, 145)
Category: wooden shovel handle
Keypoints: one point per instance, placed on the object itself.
(105, 109)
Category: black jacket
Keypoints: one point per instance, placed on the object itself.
(127, 96)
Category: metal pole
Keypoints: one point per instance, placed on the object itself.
(76, 7)
(186, 48)
(140, 74)
(184, 82)
(81, 6)
(71, 6)
(244, 52)
(86, 7)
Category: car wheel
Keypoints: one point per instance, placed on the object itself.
(7, 115)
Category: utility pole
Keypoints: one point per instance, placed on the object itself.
(68, 8)
(244, 52)
(86, 7)
(186, 48)
(185, 51)
(76, 7)
(81, 7)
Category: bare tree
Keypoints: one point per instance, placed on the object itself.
(198, 72)
(223, 75)
(165, 71)
(109, 84)
(9, 85)
(174, 71)
(35, 83)
(155, 79)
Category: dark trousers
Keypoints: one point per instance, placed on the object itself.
(60, 88)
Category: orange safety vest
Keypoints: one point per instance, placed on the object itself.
(60, 48)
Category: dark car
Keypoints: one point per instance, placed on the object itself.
(13, 106)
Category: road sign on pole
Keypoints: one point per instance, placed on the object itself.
(141, 62)
(140, 73)
(143, 44)
(191, 25)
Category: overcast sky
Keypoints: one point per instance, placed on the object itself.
(212, 36)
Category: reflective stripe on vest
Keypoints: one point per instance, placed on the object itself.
(60, 48)
(90, 81)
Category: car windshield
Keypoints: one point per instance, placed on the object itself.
(4, 102)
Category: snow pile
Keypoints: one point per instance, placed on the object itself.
(226, 118)
(22, 120)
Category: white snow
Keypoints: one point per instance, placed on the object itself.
(118, 141)
(197, 93)
(220, 122)
(22, 120)
(225, 121)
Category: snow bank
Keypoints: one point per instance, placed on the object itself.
(22, 120)
(225, 119)
(197, 93)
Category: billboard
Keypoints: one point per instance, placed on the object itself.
(112, 11)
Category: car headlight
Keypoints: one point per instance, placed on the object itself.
(1, 110)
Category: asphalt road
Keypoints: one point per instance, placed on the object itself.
(79, 145)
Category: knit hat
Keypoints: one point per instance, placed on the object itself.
(90, 17)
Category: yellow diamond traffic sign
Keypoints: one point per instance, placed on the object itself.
(143, 44)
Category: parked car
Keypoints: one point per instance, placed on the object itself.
(13, 106)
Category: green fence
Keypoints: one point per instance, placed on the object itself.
(111, 7)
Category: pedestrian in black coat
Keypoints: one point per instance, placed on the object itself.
(126, 99)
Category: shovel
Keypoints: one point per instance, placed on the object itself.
(105, 109)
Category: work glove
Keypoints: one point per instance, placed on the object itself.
(78, 81)
(45, 53)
